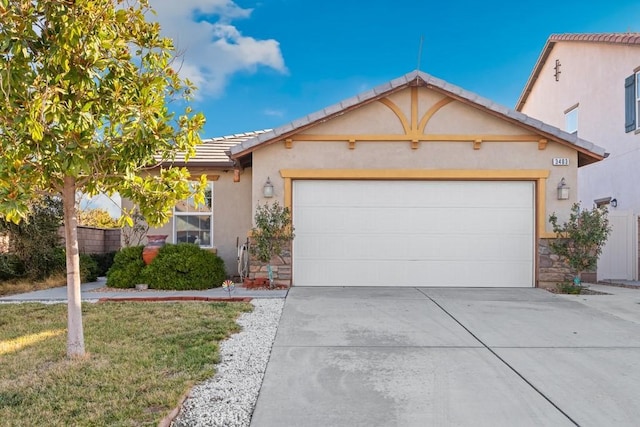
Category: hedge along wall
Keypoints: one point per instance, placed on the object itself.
(93, 240)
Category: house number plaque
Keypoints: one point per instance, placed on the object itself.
(560, 161)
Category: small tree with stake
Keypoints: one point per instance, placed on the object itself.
(580, 240)
(83, 91)
(272, 233)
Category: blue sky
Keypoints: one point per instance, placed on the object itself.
(262, 64)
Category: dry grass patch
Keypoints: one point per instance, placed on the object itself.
(21, 286)
(142, 357)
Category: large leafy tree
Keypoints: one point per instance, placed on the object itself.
(96, 217)
(84, 92)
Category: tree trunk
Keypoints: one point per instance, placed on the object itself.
(75, 333)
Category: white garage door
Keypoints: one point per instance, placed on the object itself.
(413, 233)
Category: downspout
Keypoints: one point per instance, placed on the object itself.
(237, 168)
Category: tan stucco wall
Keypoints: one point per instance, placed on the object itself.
(453, 119)
(232, 216)
(592, 76)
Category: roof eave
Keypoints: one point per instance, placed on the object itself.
(295, 130)
(588, 156)
(196, 164)
(626, 39)
(590, 153)
(537, 69)
(415, 78)
(585, 159)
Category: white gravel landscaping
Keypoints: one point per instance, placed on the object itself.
(228, 399)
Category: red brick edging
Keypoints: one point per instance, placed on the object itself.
(171, 416)
(175, 298)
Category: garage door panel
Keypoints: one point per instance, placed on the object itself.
(413, 194)
(418, 274)
(412, 220)
(474, 274)
(412, 247)
(438, 233)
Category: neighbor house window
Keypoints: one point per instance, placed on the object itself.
(632, 102)
(194, 224)
(637, 103)
(571, 120)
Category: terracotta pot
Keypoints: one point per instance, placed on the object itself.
(154, 243)
(260, 281)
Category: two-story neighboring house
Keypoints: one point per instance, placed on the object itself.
(589, 84)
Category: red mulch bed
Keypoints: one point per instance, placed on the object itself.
(584, 291)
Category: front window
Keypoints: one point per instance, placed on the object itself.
(571, 120)
(194, 224)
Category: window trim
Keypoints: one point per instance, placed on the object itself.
(605, 201)
(177, 214)
(567, 113)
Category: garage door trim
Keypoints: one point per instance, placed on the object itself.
(538, 175)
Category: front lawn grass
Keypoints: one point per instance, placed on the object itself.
(141, 358)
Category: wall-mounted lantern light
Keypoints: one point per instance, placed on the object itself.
(267, 190)
(563, 190)
(614, 203)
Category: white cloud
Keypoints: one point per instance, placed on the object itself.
(273, 113)
(213, 50)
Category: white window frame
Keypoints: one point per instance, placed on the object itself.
(571, 119)
(177, 214)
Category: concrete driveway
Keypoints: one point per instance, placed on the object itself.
(445, 357)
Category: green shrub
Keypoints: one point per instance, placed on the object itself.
(104, 261)
(579, 241)
(10, 267)
(126, 271)
(273, 231)
(58, 260)
(185, 266)
(35, 241)
(88, 269)
(272, 234)
(569, 288)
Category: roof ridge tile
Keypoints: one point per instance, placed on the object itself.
(614, 38)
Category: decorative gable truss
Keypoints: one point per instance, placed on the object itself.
(414, 129)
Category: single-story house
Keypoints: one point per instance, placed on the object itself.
(416, 182)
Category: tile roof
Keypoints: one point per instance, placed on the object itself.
(212, 151)
(613, 38)
(628, 39)
(590, 152)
